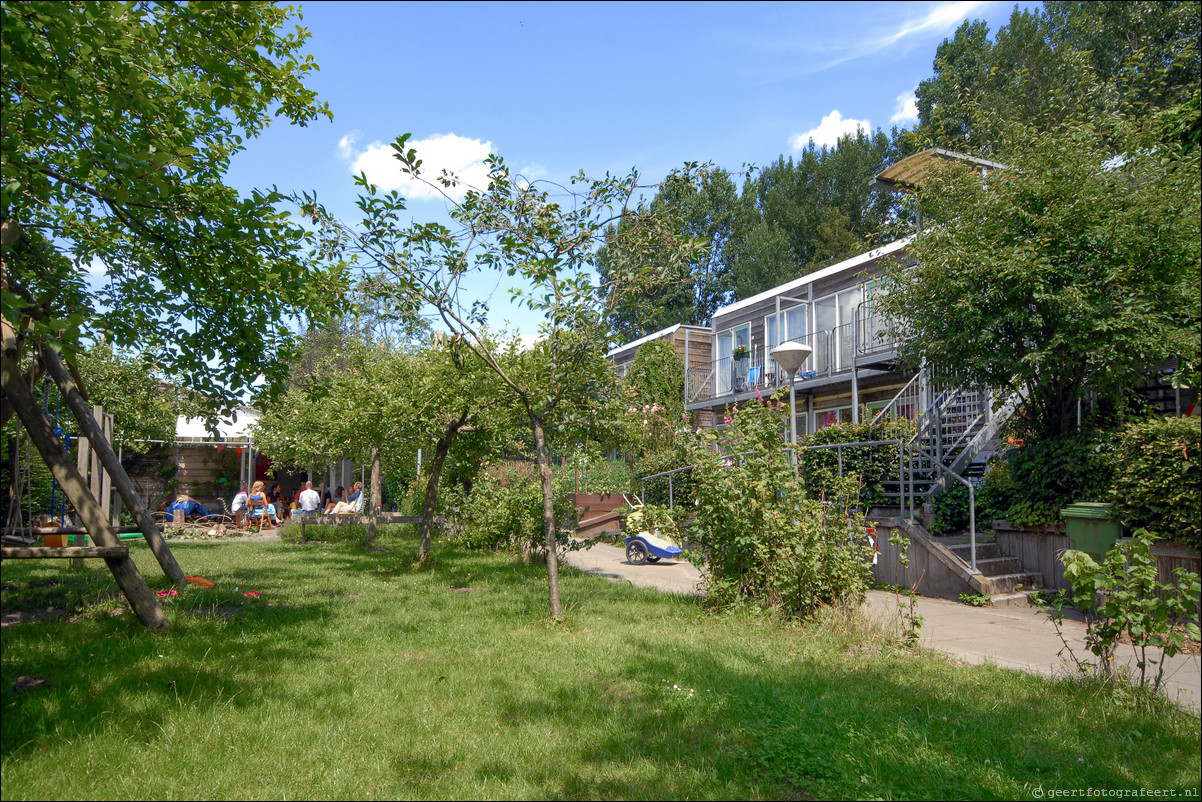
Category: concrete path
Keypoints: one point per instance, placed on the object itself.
(672, 576)
(1013, 637)
(1022, 638)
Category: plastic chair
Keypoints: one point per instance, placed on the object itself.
(258, 510)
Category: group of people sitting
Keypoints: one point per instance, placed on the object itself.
(258, 504)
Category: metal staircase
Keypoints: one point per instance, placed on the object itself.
(952, 426)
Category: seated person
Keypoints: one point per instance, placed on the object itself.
(340, 506)
(276, 497)
(239, 502)
(258, 503)
(357, 498)
(307, 499)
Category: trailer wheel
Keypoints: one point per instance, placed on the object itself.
(636, 552)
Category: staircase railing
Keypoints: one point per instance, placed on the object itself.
(905, 403)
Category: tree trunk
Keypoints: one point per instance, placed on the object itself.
(129, 494)
(41, 432)
(374, 501)
(544, 473)
(441, 449)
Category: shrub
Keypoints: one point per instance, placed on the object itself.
(951, 510)
(1049, 474)
(505, 510)
(1157, 481)
(653, 519)
(763, 539)
(602, 476)
(869, 464)
(1123, 601)
(996, 493)
(655, 491)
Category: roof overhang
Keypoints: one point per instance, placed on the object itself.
(909, 173)
(658, 335)
(194, 429)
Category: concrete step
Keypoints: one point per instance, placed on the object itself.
(1011, 583)
(1019, 598)
(985, 551)
(998, 566)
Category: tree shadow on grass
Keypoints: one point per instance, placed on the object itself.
(97, 664)
(866, 729)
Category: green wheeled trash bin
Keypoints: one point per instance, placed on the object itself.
(1091, 528)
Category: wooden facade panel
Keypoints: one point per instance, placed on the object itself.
(699, 341)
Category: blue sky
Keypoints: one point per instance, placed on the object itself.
(556, 88)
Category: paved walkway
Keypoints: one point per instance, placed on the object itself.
(1013, 637)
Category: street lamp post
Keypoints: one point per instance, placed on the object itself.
(791, 356)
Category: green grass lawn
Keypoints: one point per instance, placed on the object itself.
(353, 675)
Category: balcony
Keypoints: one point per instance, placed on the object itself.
(835, 351)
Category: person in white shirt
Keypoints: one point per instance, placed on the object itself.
(309, 499)
(358, 497)
(239, 502)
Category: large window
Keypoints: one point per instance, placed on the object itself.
(836, 316)
(779, 327)
(730, 373)
(831, 417)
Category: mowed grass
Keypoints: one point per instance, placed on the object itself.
(354, 675)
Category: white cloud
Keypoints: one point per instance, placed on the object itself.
(907, 109)
(829, 131)
(96, 267)
(533, 172)
(941, 19)
(346, 145)
(458, 155)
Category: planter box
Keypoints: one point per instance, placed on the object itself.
(1171, 556)
(1038, 550)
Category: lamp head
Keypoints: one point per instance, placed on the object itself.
(791, 355)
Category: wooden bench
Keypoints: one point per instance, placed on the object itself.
(68, 552)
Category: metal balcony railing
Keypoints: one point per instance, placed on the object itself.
(834, 352)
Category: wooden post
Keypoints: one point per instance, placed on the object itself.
(41, 432)
(115, 515)
(83, 460)
(62, 377)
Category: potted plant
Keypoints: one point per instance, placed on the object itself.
(740, 352)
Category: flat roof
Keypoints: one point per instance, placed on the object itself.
(655, 336)
(194, 428)
(817, 275)
(910, 172)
